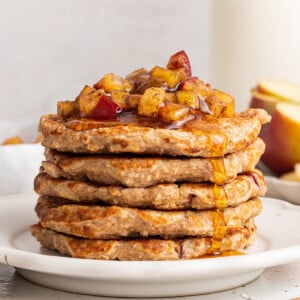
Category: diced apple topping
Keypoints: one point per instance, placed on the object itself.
(120, 98)
(188, 98)
(67, 109)
(145, 82)
(180, 60)
(195, 84)
(220, 103)
(111, 82)
(170, 97)
(171, 77)
(136, 74)
(168, 93)
(85, 91)
(173, 112)
(151, 101)
(105, 109)
(125, 100)
(88, 102)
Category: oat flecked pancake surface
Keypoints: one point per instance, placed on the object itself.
(143, 249)
(211, 137)
(110, 222)
(155, 165)
(162, 196)
(147, 171)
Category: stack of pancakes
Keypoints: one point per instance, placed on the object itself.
(128, 189)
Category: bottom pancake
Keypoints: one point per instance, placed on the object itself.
(145, 249)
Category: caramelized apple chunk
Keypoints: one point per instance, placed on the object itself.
(173, 112)
(170, 97)
(171, 77)
(133, 101)
(88, 102)
(85, 91)
(120, 98)
(195, 84)
(188, 98)
(136, 74)
(111, 82)
(180, 60)
(151, 101)
(220, 104)
(145, 82)
(67, 109)
(105, 109)
(125, 100)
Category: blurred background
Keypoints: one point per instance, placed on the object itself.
(51, 48)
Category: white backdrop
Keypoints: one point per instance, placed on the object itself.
(49, 49)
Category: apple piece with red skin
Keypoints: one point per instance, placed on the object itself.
(282, 138)
(180, 60)
(105, 109)
(193, 83)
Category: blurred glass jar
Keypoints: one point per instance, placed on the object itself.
(252, 40)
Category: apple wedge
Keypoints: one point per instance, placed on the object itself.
(283, 138)
(282, 90)
(267, 102)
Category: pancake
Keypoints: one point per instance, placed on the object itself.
(148, 171)
(207, 137)
(162, 196)
(144, 249)
(113, 222)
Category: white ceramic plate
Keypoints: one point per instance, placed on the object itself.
(282, 189)
(278, 242)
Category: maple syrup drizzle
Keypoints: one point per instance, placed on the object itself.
(218, 220)
(208, 126)
(219, 231)
(220, 196)
(129, 118)
(219, 171)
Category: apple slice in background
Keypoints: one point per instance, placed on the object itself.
(282, 90)
(281, 99)
(282, 138)
(264, 101)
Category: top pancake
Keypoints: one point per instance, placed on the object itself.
(207, 137)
